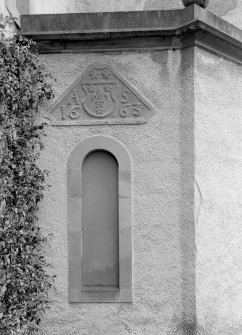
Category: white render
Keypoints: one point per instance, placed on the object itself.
(158, 158)
(218, 184)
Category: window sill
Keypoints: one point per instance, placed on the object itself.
(105, 295)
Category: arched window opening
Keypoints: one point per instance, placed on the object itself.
(100, 220)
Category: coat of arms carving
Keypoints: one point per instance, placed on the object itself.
(99, 96)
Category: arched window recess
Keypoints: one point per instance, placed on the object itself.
(99, 222)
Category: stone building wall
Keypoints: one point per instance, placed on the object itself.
(218, 181)
(186, 197)
(186, 185)
(162, 171)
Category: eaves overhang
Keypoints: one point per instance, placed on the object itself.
(140, 30)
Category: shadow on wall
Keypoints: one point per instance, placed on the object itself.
(187, 222)
(181, 68)
(189, 328)
(186, 328)
(193, 328)
(189, 324)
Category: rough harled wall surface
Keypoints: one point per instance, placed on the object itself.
(218, 175)
(163, 227)
(229, 10)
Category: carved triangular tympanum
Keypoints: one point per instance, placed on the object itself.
(99, 96)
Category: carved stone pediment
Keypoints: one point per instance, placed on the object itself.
(99, 96)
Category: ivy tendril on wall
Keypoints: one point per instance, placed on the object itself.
(24, 279)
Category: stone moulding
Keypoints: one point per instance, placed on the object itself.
(142, 30)
(99, 96)
(77, 291)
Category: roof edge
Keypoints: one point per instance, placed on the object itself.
(141, 30)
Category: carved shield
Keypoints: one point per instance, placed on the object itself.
(100, 96)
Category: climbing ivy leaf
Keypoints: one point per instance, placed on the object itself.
(24, 280)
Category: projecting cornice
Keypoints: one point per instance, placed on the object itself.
(141, 30)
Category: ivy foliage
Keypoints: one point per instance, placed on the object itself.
(24, 279)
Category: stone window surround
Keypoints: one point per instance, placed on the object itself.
(78, 293)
